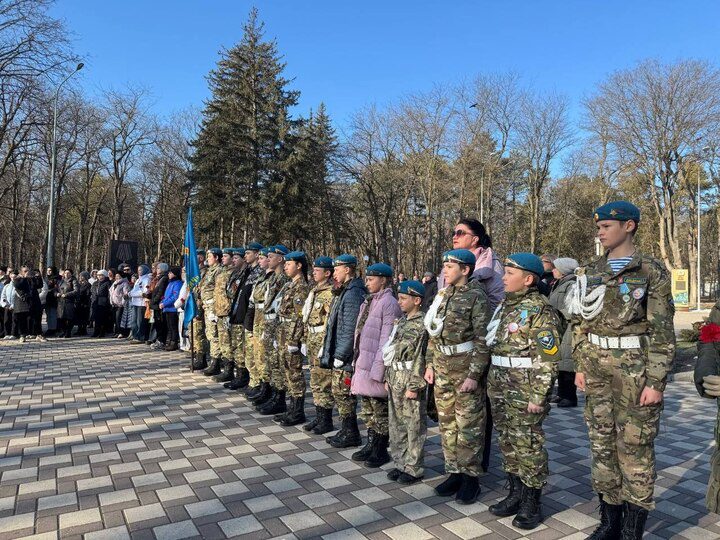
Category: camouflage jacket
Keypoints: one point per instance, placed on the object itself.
(708, 361)
(637, 302)
(258, 296)
(273, 293)
(290, 310)
(321, 298)
(410, 341)
(222, 302)
(206, 287)
(196, 294)
(466, 314)
(530, 327)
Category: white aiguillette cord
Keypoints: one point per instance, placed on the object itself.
(433, 323)
(579, 302)
(492, 327)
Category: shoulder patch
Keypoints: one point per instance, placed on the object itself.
(547, 342)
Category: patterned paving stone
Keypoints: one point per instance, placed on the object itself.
(105, 440)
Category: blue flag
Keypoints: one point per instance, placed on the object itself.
(192, 270)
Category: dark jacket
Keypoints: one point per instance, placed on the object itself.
(51, 299)
(557, 299)
(159, 291)
(241, 298)
(431, 289)
(340, 334)
(66, 306)
(23, 294)
(100, 295)
(82, 302)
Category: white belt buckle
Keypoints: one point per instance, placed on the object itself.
(613, 343)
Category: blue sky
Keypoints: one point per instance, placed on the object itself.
(350, 54)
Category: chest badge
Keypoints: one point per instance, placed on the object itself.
(626, 298)
(638, 293)
(513, 327)
(624, 289)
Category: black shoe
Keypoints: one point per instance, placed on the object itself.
(251, 392)
(296, 415)
(378, 454)
(349, 434)
(469, 490)
(633, 522)
(198, 362)
(450, 486)
(510, 505)
(555, 399)
(315, 421)
(611, 522)
(282, 415)
(325, 424)
(226, 371)
(364, 452)
(529, 514)
(394, 474)
(408, 479)
(274, 406)
(242, 377)
(236, 383)
(566, 403)
(213, 367)
(266, 392)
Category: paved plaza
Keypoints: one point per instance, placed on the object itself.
(100, 439)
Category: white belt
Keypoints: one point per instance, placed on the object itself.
(285, 319)
(208, 302)
(260, 305)
(316, 329)
(512, 361)
(270, 316)
(403, 366)
(620, 342)
(450, 350)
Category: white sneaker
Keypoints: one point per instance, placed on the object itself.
(40, 338)
(22, 339)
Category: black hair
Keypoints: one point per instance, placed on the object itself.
(478, 229)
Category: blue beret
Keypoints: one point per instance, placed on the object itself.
(345, 260)
(239, 251)
(254, 246)
(296, 256)
(380, 270)
(278, 249)
(461, 256)
(412, 287)
(526, 261)
(323, 262)
(618, 211)
(216, 251)
(200, 252)
(264, 251)
(228, 251)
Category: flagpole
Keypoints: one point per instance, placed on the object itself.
(192, 345)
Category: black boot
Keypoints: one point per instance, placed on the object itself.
(297, 416)
(226, 371)
(241, 380)
(529, 514)
(283, 414)
(510, 505)
(275, 406)
(378, 454)
(213, 367)
(349, 434)
(272, 398)
(633, 522)
(199, 362)
(611, 522)
(252, 392)
(315, 421)
(469, 490)
(325, 425)
(261, 400)
(450, 486)
(364, 452)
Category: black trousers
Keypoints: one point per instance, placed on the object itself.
(22, 323)
(160, 326)
(10, 329)
(65, 326)
(566, 386)
(171, 322)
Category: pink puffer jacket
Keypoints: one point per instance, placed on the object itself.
(368, 378)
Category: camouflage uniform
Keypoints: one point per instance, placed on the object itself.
(708, 363)
(408, 417)
(207, 290)
(274, 369)
(222, 310)
(254, 274)
(258, 372)
(236, 279)
(320, 300)
(461, 415)
(199, 341)
(291, 334)
(528, 331)
(637, 308)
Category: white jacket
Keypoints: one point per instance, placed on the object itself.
(140, 288)
(7, 297)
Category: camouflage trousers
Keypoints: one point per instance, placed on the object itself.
(408, 424)
(320, 378)
(712, 498)
(374, 413)
(212, 333)
(250, 358)
(225, 338)
(199, 342)
(520, 434)
(622, 433)
(346, 402)
(274, 368)
(461, 416)
(237, 344)
(292, 366)
(258, 350)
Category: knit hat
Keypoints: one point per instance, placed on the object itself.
(144, 269)
(566, 265)
(163, 267)
(103, 273)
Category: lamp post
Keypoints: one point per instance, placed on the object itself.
(49, 255)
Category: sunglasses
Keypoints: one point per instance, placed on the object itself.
(458, 233)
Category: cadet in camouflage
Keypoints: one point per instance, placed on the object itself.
(222, 307)
(259, 376)
(199, 341)
(206, 289)
(404, 357)
(524, 339)
(624, 344)
(457, 363)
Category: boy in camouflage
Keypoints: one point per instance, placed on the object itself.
(404, 357)
(457, 363)
(624, 343)
(257, 300)
(524, 339)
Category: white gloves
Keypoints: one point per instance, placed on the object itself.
(711, 385)
(275, 345)
(226, 323)
(338, 363)
(292, 349)
(320, 353)
(303, 349)
(213, 318)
